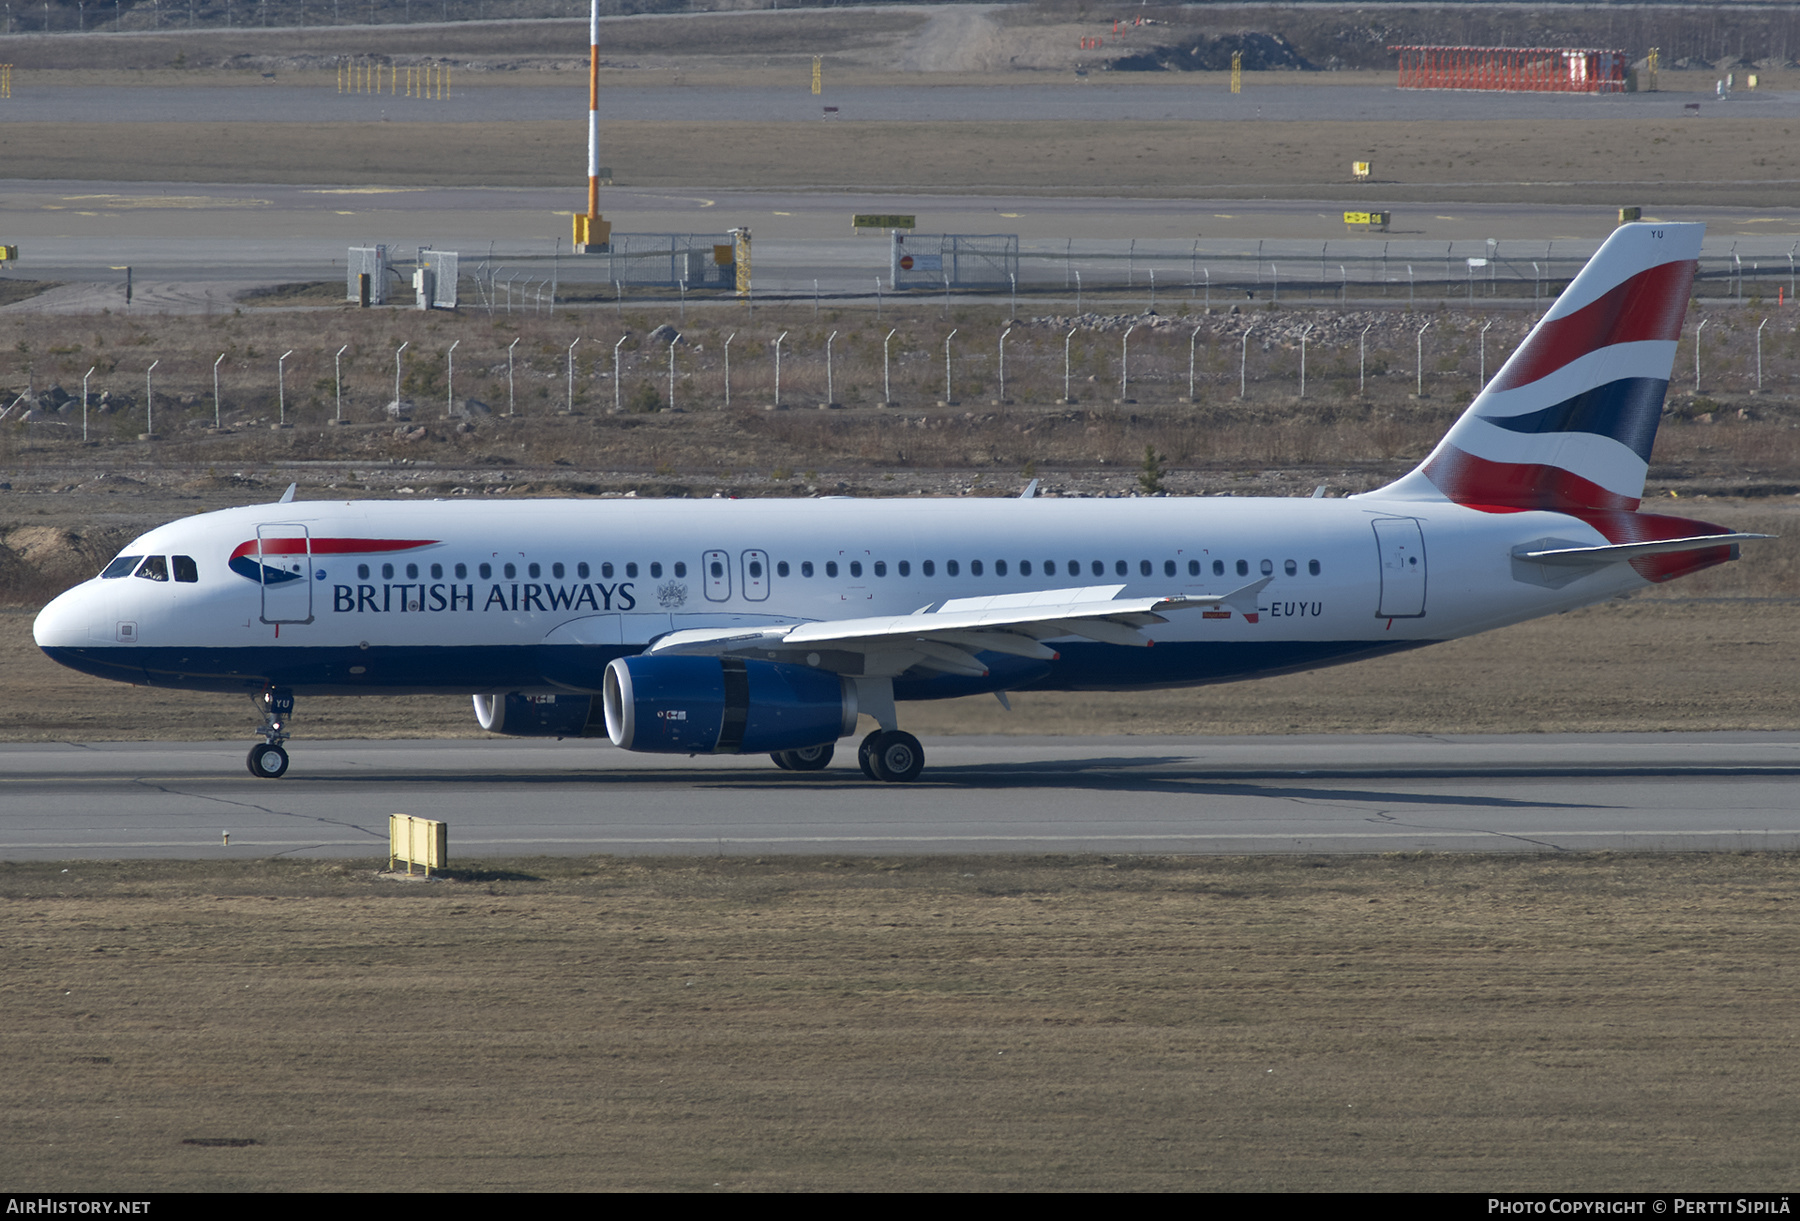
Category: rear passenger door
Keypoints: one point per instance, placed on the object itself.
(1401, 547)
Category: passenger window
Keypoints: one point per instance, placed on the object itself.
(681, 569)
(462, 571)
(1218, 568)
(781, 568)
(1243, 568)
(121, 567)
(387, 571)
(1168, 568)
(718, 570)
(1024, 568)
(362, 572)
(999, 568)
(487, 571)
(154, 568)
(1049, 568)
(1099, 568)
(412, 572)
(606, 570)
(437, 572)
(906, 568)
(929, 568)
(1119, 567)
(655, 570)
(581, 570)
(1312, 566)
(631, 570)
(532, 571)
(806, 568)
(556, 570)
(950, 568)
(185, 570)
(831, 568)
(1289, 567)
(1268, 567)
(881, 568)
(510, 570)
(974, 568)
(856, 568)
(1144, 568)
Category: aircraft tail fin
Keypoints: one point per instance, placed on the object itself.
(1568, 422)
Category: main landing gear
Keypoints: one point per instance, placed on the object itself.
(268, 760)
(891, 755)
(807, 759)
(887, 755)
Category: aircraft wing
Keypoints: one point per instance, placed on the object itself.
(947, 637)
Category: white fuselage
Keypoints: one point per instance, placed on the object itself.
(538, 595)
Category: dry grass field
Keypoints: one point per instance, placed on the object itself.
(1723, 161)
(1593, 1023)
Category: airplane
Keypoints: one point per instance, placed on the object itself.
(771, 626)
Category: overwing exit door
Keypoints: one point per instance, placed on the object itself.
(756, 576)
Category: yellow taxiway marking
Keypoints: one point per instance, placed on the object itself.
(361, 190)
(783, 213)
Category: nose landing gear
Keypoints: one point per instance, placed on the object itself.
(268, 760)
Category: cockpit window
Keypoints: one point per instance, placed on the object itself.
(154, 568)
(121, 567)
(186, 571)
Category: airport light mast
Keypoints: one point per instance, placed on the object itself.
(592, 233)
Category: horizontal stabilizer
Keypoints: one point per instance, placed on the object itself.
(1593, 557)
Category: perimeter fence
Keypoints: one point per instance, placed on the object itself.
(1404, 273)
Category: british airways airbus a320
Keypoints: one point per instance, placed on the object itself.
(721, 627)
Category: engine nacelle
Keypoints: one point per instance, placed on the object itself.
(723, 706)
(540, 716)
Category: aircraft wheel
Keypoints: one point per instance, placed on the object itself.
(267, 762)
(865, 755)
(780, 759)
(897, 757)
(809, 758)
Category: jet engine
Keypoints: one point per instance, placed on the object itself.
(712, 705)
(540, 716)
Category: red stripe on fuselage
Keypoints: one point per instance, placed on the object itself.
(1648, 306)
(330, 546)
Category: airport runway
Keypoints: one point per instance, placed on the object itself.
(1343, 794)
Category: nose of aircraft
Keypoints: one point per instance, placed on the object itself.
(64, 623)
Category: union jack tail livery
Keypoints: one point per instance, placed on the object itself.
(1568, 422)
